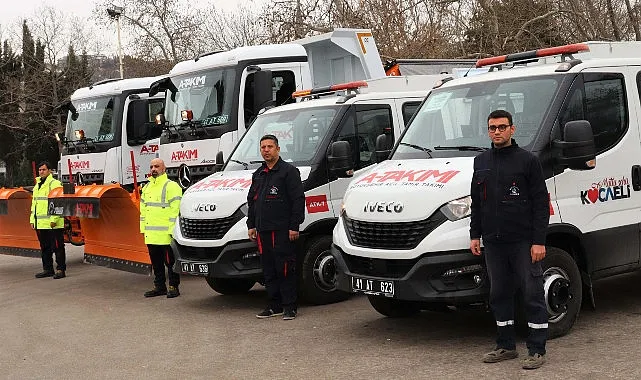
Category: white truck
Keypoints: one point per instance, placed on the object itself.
(106, 122)
(212, 99)
(210, 239)
(403, 234)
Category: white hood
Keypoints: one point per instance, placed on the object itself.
(220, 194)
(408, 190)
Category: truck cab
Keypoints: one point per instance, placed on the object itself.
(577, 108)
(106, 122)
(212, 99)
(210, 239)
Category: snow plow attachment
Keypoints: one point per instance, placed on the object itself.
(109, 219)
(16, 235)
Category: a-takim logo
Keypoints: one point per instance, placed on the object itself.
(316, 203)
(608, 189)
(184, 155)
(80, 165)
(380, 206)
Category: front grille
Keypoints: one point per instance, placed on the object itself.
(196, 173)
(379, 267)
(208, 229)
(395, 235)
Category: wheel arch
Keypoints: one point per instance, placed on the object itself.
(569, 238)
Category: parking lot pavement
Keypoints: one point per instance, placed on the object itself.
(96, 324)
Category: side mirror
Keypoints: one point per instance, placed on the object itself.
(577, 148)
(339, 159)
(383, 147)
(219, 161)
(263, 96)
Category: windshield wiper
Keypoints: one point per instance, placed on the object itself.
(256, 162)
(462, 147)
(246, 165)
(418, 147)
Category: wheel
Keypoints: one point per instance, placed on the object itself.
(230, 285)
(563, 291)
(393, 308)
(318, 273)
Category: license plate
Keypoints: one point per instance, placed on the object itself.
(194, 268)
(373, 287)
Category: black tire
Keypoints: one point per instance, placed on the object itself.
(564, 291)
(393, 308)
(317, 280)
(229, 286)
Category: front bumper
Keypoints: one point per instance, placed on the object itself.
(236, 259)
(420, 279)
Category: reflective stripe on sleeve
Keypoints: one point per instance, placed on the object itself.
(537, 325)
(157, 204)
(176, 198)
(156, 228)
(41, 198)
(172, 220)
(505, 323)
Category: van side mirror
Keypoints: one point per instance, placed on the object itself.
(339, 159)
(577, 148)
(383, 147)
(263, 96)
(219, 161)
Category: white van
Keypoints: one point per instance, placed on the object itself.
(403, 235)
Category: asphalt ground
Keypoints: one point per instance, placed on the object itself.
(96, 324)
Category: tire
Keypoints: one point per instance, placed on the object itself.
(317, 280)
(229, 286)
(393, 308)
(563, 291)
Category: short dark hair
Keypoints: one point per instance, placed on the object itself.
(45, 163)
(269, 137)
(497, 114)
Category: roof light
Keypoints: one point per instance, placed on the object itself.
(80, 134)
(333, 88)
(540, 53)
(187, 115)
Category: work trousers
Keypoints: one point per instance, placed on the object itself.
(162, 256)
(278, 259)
(510, 268)
(52, 241)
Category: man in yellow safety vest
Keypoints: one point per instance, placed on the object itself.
(159, 207)
(49, 228)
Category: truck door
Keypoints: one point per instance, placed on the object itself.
(141, 136)
(601, 202)
(361, 126)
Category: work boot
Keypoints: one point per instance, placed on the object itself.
(289, 314)
(59, 274)
(269, 312)
(533, 361)
(499, 354)
(43, 274)
(173, 292)
(155, 292)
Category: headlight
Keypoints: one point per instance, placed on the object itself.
(458, 208)
(244, 209)
(342, 208)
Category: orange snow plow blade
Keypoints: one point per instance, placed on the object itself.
(109, 220)
(16, 235)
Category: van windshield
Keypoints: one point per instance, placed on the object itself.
(94, 117)
(455, 118)
(300, 133)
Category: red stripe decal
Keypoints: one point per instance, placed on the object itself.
(273, 239)
(260, 245)
(285, 268)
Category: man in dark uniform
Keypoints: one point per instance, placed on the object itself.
(276, 208)
(510, 211)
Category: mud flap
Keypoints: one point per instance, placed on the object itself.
(16, 235)
(109, 220)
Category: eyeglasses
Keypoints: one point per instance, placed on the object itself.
(500, 127)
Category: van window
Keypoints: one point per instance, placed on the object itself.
(603, 104)
(409, 109)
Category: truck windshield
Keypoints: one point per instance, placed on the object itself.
(454, 119)
(94, 118)
(207, 94)
(300, 133)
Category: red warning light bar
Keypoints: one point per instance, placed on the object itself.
(333, 88)
(546, 52)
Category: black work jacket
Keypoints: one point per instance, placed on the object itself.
(276, 200)
(510, 202)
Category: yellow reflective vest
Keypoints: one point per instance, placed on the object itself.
(40, 217)
(159, 207)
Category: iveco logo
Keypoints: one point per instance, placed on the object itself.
(396, 207)
(184, 176)
(204, 207)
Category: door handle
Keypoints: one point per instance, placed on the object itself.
(636, 177)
